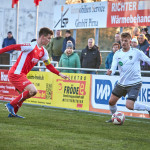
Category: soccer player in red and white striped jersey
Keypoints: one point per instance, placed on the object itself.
(30, 55)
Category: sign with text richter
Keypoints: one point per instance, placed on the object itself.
(79, 16)
(126, 13)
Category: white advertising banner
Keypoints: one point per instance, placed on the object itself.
(79, 16)
(102, 87)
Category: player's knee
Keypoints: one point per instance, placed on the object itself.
(33, 92)
(111, 103)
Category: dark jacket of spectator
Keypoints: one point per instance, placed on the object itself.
(70, 38)
(143, 46)
(90, 58)
(8, 41)
(148, 36)
(144, 65)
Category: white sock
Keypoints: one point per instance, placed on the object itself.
(140, 106)
(113, 108)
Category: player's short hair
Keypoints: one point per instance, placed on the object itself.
(114, 44)
(45, 31)
(126, 35)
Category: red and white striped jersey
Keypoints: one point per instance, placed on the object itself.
(28, 58)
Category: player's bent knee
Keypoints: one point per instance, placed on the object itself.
(33, 92)
(111, 103)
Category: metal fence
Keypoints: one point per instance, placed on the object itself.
(42, 67)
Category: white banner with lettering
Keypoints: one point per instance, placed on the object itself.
(79, 16)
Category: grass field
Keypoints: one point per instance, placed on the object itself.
(57, 129)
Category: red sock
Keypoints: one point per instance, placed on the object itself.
(16, 108)
(19, 100)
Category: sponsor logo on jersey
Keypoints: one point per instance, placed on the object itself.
(120, 63)
(41, 54)
(130, 57)
(34, 60)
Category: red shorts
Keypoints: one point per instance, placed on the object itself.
(19, 81)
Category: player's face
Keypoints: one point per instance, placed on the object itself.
(125, 43)
(46, 39)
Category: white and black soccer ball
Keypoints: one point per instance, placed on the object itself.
(118, 118)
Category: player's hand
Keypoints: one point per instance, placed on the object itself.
(64, 76)
(109, 72)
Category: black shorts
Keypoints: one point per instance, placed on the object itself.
(132, 91)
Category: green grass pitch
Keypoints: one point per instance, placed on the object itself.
(58, 129)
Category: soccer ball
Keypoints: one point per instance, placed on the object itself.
(118, 118)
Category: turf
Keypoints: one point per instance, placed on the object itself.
(57, 129)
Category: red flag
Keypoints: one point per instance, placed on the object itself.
(37, 2)
(14, 2)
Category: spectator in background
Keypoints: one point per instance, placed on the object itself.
(145, 32)
(109, 58)
(68, 37)
(117, 39)
(69, 59)
(90, 57)
(143, 43)
(54, 47)
(136, 32)
(134, 43)
(144, 46)
(9, 41)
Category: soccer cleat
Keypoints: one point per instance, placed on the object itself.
(10, 115)
(10, 109)
(109, 121)
(18, 116)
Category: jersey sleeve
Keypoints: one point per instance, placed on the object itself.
(27, 47)
(114, 64)
(45, 56)
(143, 57)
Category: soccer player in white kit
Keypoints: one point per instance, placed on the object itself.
(128, 61)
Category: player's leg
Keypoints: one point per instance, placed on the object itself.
(117, 92)
(29, 91)
(131, 102)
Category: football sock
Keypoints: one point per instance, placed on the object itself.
(19, 100)
(16, 108)
(113, 108)
(140, 106)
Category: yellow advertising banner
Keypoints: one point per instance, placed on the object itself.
(58, 92)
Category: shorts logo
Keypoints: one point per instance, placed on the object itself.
(25, 82)
(103, 89)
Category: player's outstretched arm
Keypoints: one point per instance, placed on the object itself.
(11, 47)
(50, 67)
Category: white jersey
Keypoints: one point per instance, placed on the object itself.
(129, 66)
